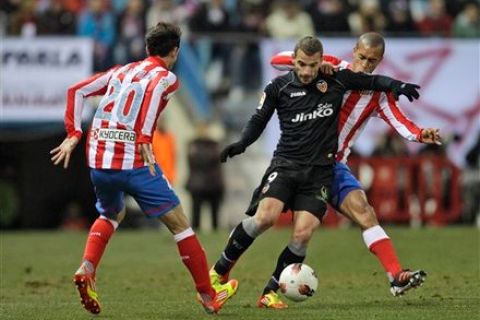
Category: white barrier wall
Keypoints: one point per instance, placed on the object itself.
(35, 74)
(447, 70)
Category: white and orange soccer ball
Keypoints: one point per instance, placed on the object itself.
(298, 282)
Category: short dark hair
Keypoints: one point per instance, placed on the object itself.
(162, 38)
(372, 40)
(310, 45)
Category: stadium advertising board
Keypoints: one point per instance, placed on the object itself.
(447, 70)
(36, 73)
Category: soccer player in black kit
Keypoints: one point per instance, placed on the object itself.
(300, 174)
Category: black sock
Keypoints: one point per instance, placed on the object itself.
(237, 244)
(286, 258)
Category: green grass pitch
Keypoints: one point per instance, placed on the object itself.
(141, 276)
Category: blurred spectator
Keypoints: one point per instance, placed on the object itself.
(212, 18)
(131, 30)
(98, 23)
(289, 20)
(24, 20)
(329, 16)
(10, 6)
(165, 151)
(205, 181)
(399, 20)
(390, 145)
(418, 9)
(467, 23)
(75, 6)
(73, 218)
(471, 184)
(473, 156)
(252, 19)
(120, 6)
(245, 55)
(56, 19)
(368, 17)
(171, 11)
(437, 22)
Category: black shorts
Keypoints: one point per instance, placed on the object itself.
(300, 187)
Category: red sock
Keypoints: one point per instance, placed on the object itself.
(385, 252)
(100, 233)
(380, 245)
(193, 257)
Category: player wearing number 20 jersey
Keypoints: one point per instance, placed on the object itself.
(120, 155)
(133, 97)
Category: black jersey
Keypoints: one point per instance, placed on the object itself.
(309, 113)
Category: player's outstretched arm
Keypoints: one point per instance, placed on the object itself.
(362, 81)
(431, 136)
(63, 152)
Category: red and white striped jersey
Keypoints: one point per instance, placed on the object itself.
(133, 97)
(357, 108)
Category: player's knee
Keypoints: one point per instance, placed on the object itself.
(302, 235)
(265, 219)
(266, 215)
(264, 222)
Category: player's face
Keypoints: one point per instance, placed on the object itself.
(366, 59)
(306, 67)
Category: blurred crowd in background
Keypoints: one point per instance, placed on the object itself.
(223, 34)
(118, 27)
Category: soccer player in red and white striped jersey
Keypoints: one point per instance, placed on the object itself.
(119, 153)
(347, 194)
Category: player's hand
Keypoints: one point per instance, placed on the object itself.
(327, 68)
(146, 151)
(409, 90)
(431, 136)
(63, 152)
(232, 150)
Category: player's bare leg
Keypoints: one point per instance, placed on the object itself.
(194, 258)
(85, 277)
(356, 207)
(304, 226)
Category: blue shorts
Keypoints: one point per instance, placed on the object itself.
(343, 183)
(152, 193)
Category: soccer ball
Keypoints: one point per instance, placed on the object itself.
(298, 282)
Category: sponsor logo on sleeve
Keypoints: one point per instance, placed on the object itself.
(262, 100)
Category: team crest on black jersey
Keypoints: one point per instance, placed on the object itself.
(322, 86)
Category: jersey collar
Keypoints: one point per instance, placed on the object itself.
(156, 60)
(298, 83)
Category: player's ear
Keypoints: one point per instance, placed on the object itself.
(174, 52)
